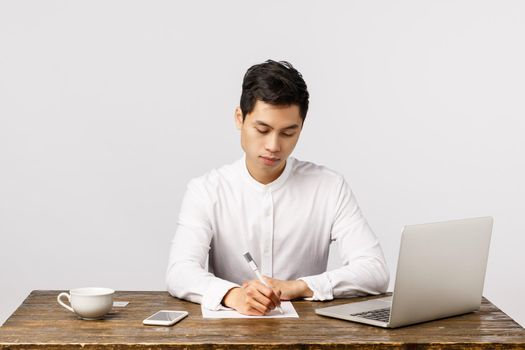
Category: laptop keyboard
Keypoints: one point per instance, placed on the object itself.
(382, 315)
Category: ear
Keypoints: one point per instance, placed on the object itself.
(238, 118)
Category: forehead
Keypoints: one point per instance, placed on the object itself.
(281, 116)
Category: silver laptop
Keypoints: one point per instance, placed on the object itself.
(440, 273)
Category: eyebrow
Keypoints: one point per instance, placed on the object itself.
(291, 127)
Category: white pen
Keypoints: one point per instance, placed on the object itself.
(255, 269)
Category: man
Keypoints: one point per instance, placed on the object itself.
(285, 212)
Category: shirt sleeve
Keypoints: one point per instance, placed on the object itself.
(364, 269)
(187, 276)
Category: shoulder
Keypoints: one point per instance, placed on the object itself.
(309, 171)
(210, 182)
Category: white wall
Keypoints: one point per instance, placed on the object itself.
(108, 108)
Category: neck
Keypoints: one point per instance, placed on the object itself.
(262, 176)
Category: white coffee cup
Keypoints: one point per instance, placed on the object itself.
(88, 303)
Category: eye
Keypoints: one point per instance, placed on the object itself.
(262, 131)
(287, 134)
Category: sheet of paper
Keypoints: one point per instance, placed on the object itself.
(289, 311)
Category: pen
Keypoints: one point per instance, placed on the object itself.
(255, 269)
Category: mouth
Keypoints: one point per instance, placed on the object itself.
(269, 160)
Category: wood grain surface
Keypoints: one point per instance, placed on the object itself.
(41, 323)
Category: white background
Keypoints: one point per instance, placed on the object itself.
(108, 108)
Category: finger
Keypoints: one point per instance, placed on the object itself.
(246, 309)
(255, 300)
(270, 293)
(276, 297)
(251, 304)
(253, 311)
(260, 308)
(260, 301)
(264, 289)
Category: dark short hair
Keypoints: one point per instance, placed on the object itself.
(276, 83)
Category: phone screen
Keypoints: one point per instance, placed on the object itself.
(166, 316)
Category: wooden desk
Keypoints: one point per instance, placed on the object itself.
(41, 323)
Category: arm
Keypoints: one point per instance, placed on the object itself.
(290, 290)
(364, 268)
(187, 276)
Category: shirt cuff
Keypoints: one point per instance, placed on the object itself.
(320, 285)
(216, 291)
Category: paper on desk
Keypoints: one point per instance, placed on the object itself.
(289, 311)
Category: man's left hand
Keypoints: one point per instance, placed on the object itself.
(290, 289)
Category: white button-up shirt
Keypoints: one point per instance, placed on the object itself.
(286, 225)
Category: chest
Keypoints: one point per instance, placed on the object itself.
(294, 216)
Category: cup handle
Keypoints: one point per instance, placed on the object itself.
(62, 303)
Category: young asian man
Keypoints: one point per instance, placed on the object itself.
(284, 211)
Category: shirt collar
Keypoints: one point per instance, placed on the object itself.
(272, 186)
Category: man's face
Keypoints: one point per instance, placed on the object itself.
(268, 136)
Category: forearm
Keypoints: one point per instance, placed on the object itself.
(299, 289)
(290, 290)
(191, 282)
(187, 277)
(362, 276)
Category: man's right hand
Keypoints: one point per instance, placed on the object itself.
(253, 298)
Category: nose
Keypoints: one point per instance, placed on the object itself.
(272, 144)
